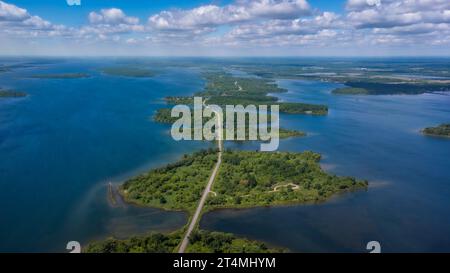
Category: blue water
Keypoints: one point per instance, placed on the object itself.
(407, 205)
(61, 145)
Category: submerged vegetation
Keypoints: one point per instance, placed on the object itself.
(129, 71)
(200, 241)
(441, 130)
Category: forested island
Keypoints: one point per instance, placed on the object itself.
(162, 115)
(379, 88)
(201, 241)
(128, 71)
(61, 76)
(441, 130)
(350, 91)
(224, 89)
(12, 94)
(245, 179)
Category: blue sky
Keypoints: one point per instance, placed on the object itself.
(226, 27)
(59, 12)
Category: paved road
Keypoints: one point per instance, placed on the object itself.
(207, 190)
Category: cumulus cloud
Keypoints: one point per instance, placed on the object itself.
(10, 12)
(108, 23)
(112, 16)
(314, 25)
(17, 21)
(389, 13)
(208, 16)
(400, 22)
(253, 24)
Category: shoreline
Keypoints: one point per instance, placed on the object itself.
(434, 135)
(209, 209)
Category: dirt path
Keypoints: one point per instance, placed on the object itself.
(238, 86)
(294, 187)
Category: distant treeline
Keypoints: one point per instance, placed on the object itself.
(375, 88)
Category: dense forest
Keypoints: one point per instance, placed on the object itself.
(152, 243)
(162, 115)
(378, 88)
(200, 242)
(350, 91)
(248, 178)
(175, 186)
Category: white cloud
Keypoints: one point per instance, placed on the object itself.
(10, 12)
(240, 11)
(391, 13)
(251, 25)
(112, 16)
(18, 22)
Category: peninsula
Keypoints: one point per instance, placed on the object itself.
(245, 179)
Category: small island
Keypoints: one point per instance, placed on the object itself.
(12, 94)
(129, 71)
(394, 88)
(201, 241)
(162, 115)
(61, 76)
(350, 91)
(442, 130)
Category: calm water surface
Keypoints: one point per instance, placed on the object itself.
(61, 145)
(407, 205)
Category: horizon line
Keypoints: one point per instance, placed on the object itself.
(225, 56)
